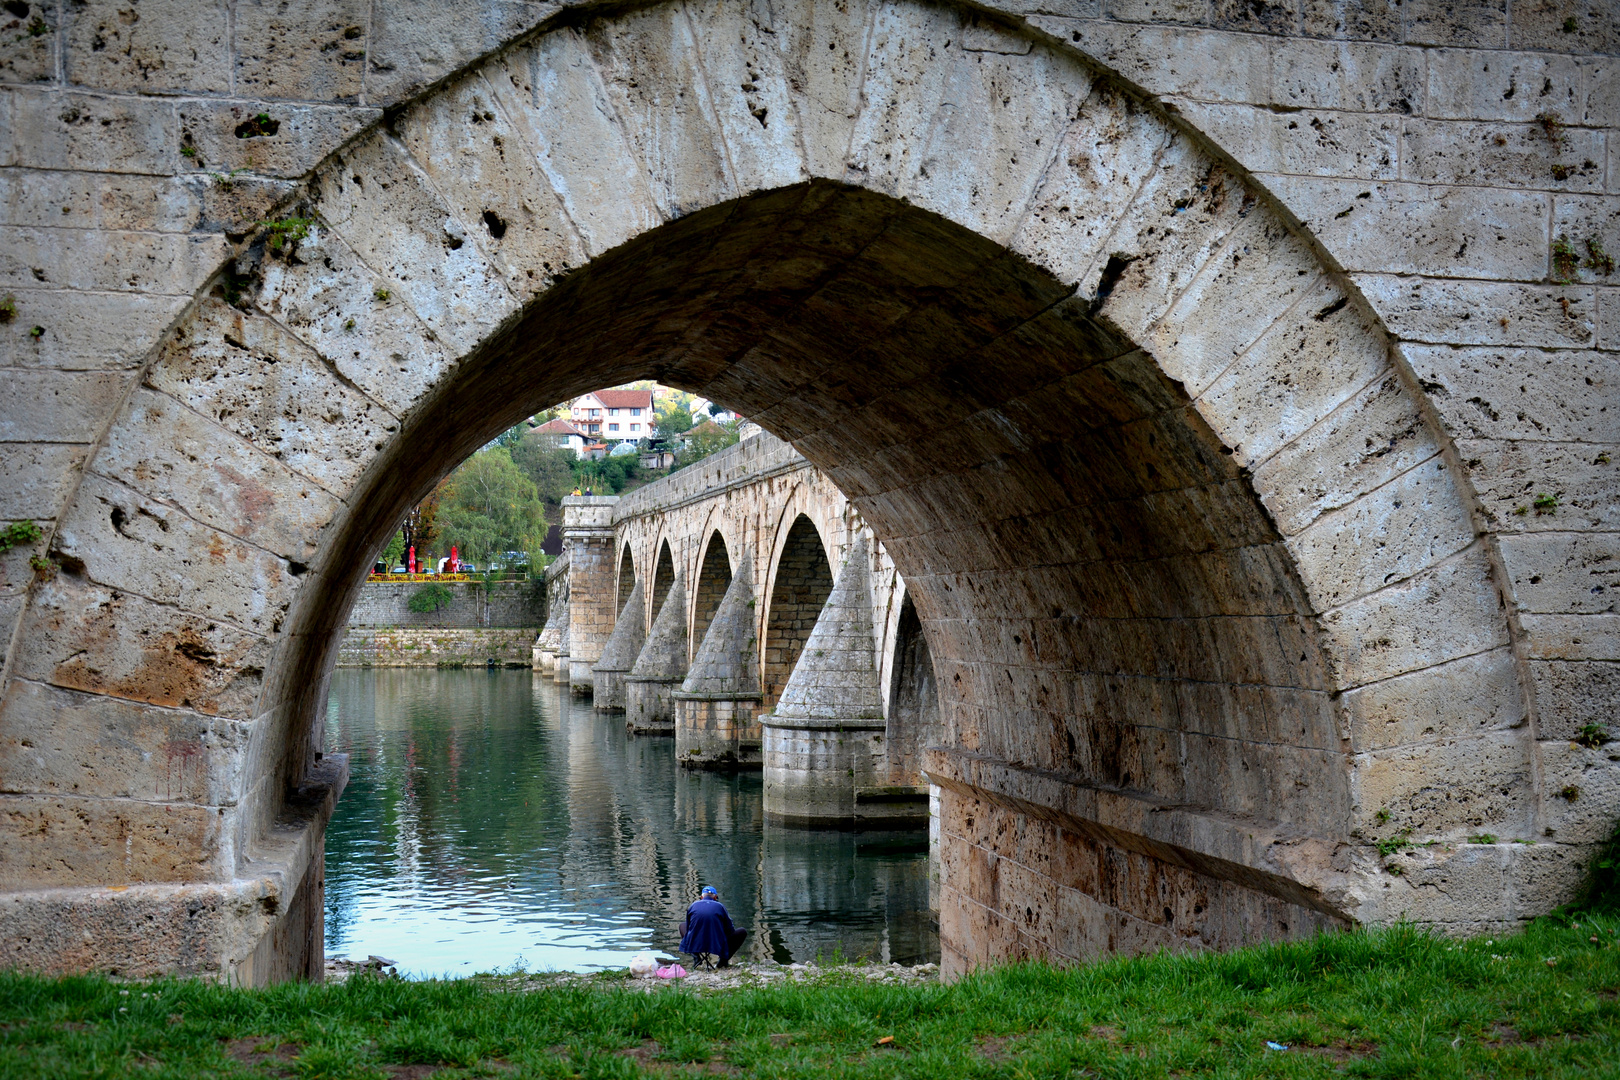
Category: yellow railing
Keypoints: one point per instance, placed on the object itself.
(374, 576)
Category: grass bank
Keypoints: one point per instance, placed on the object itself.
(1542, 1003)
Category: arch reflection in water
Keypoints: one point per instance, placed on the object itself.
(491, 820)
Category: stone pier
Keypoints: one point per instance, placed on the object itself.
(620, 653)
(592, 610)
(716, 708)
(824, 746)
(552, 634)
(659, 671)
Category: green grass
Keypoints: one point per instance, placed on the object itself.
(1396, 1003)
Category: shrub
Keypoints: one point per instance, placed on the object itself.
(430, 598)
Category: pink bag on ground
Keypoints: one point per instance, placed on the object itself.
(671, 971)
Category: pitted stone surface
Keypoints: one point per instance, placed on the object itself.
(727, 662)
(663, 656)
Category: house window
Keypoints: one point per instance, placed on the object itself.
(596, 412)
(635, 412)
(613, 427)
(635, 427)
(613, 412)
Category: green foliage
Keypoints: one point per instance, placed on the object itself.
(17, 534)
(1483, 838)
(1565, 261)
(489, 505)
(673, 421)
(8, 308)
(1545, 504)
(1591, 736)
(1397, 1002)
(512, 436)
(430, 598)
(707, 438)
(394, 553)
(1401, 840)
(286, 232)
(1598, 259)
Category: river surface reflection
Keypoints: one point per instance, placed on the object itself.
(492, 821)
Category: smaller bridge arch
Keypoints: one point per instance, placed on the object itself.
(627, 579)
(801, 579)
(710, 584)
(663, 578)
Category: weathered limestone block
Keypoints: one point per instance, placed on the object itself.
(716, 708)
(63, 841)
(313, 51)
(754, 103)
(415, 42)
(102, 133)
(824, 750)
(87, 637)
(378, 200)
(62, 742)
(304, 134)
(131, 261)
(552, 91)
(1508, 475)
(480, 162)
(1572, 695)
(162, 45)
(172, 455)
(329, 298)
(85, 332)
(38, 478)
(1469, 84)
(1473, 695)
(674, 136)
(659, 670)
(1451, 313)
(620, 652)
(58, 406)
(258, 381)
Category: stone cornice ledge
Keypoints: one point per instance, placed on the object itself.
(1268, 857)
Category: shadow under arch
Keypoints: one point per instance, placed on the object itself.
(709, 587)
(1091, 562)
(801, 582)
(626, 580)
(663, 579)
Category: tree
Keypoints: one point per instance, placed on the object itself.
(674, 421)
(395, 551)
(551, 468)
(704, 440)
(490, 506)
(511, 436)
(421, 526)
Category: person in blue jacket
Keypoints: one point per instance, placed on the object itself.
(707, 929)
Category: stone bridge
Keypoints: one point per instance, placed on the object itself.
(1231, 383)
(743, 607)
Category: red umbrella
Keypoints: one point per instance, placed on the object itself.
(455, 562)
(411, 566)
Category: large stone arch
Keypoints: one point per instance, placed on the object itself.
(1201, 579)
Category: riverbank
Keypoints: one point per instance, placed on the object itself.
(1542, 1003)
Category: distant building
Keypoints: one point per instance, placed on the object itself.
(614, 415)
(700, 412)
(562, 435)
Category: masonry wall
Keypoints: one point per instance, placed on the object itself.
(376, 646)
(502, 604)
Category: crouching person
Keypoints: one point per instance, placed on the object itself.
(707, 931)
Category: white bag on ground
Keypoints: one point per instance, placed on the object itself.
(642, 966)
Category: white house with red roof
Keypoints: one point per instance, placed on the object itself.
(562, 435)
(614, 415)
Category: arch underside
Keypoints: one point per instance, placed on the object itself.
(1171, 520)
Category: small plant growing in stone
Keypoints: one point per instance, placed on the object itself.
(43, 568)
(226, 180)
(430, 598)
(189, 151)
(1565, 260)
(1570, 25)
(17, 534)
(1552, 126)
(257, 126)
(38, 27)
(1521, 510)
(348, 324)
(1546, 504)
(1591, 736)
(1602, 458)
(1383, 815)
(8, 308)
(1598, 259)
(286, 232)
(1401, 840)
(1482, 838)
(1570, 792)
(36, 332)
(381, 295)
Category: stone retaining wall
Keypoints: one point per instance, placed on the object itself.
(502, 604)
(415, 647)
